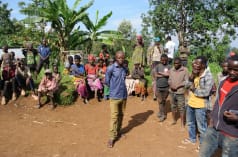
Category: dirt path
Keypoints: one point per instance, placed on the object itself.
(82, 131)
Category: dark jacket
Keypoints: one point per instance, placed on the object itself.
(230, 103)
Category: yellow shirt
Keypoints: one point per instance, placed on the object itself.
(195, 101)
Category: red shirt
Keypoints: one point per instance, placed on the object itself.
(225, 89)
(90, 70)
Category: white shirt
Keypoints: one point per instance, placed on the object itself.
(170, 45)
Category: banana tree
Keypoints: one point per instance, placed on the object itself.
(63, 19)
(93, 33)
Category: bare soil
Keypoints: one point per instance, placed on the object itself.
(81, 130)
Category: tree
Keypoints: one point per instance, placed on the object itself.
(94, 31)
(128, 33)
(62, 18)
(196, 21)
(6, 24)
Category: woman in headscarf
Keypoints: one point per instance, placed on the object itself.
(92, 78)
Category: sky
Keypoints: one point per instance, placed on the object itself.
(129, 10)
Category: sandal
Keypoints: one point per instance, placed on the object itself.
(187, 141)
(197, 149)
(110, 143)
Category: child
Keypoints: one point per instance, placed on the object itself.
(130, 83)
(68, 65)
(56, 74)
(138, 75)
(24, 78)
(224, 73)
(101, 71)
(6, 57)
(8, 76)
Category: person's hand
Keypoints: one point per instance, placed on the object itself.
(192, 87)
(173, 88)
(45, 90)
(27, 81)
(231, 116)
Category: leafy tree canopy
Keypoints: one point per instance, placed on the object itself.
(204, 24)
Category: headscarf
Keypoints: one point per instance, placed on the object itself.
(91, 57)
(157, 39)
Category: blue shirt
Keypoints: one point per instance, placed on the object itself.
(77, 69)
(115, 79)
(44, 50)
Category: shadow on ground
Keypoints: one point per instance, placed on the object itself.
(137, 120)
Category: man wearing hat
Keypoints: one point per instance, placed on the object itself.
(153, 58)
(154, 53)
(48, 86)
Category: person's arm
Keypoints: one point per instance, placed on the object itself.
(42, 84)
(170, 82)
(24, 51)
(204, 92)
(53, 84)
(59, 78)
(141, 73)
(231, 115)
(1, 60)
(28, 72)
(108, 75)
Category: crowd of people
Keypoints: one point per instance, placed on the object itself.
(19, 75)
(214, 124)
(104, 77)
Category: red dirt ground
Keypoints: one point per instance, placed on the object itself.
(81, 130)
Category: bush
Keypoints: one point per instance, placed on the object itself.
(66, 94)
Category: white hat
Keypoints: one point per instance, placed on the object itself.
(48, 71)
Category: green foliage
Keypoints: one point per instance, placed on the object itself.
(66, 94)
(128, 39)
(63, 19)
(6, 24)
(94, 32)
(215, 69)
(208, 26)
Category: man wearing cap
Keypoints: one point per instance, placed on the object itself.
(153, 58)
(154, 53)
(48, 86)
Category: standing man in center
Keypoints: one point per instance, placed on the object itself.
(115, 80)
